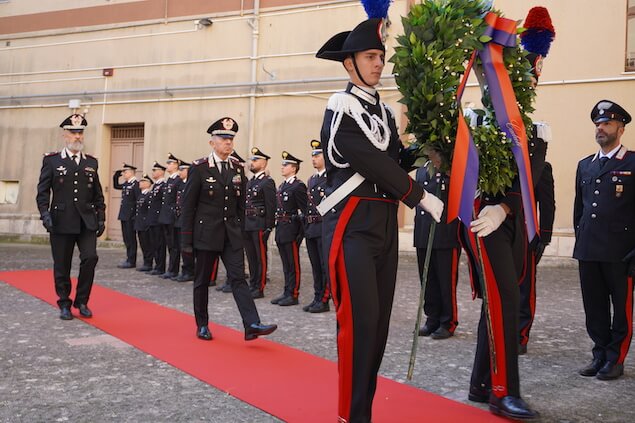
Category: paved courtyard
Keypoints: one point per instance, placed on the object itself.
(57, 371)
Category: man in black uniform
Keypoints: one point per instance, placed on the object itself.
(365, 181)
(213, 211)
(129, 193)
(156, 230)
(604, 223)
(141, 222)
(187, 269)
(167, 217)
(544, 194)
(260, 211)
(313, 233)
(440, 297)
(75, 215)
(291, 200)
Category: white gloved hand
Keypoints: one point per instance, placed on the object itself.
(432, 205)
(489, 219)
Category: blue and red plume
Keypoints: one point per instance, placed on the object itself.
(376, 8)
(539, 31)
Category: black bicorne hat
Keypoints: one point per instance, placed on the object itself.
(172, 158)
(234, 156)
(368, 35)
(147, 178)
(184, 165)
(125, 166)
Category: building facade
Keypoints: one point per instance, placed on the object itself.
(151, 75)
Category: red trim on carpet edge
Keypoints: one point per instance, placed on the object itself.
(262, 373)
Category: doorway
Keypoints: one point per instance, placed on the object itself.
(126, 146)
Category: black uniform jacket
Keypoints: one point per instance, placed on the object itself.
(129, 193)
(291, 204)
(260, 204)
(178, 210)
(156, 196)
(604, 208)
(213, 206)
(313, 219)
(77, 193)
(142, 210)
(167, 214)
(445, 234)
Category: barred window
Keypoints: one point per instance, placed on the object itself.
(630, 36)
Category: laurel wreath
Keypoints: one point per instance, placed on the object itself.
(430, 57)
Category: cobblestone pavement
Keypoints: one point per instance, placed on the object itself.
(70, 371)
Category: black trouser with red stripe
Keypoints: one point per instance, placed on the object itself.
(256, 250)
(290, 256)
(362, 260)
(440, 297)
(321, 288)
(498, 369)
(234, 261)
(527, 296)
(603, 284)
(129, 240)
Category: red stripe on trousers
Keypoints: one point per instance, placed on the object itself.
(263, 261)
(626, 342)
(498, 369)
(524, 332)
(344, 312)
(296, 265)
(214, 273)
(453, 281)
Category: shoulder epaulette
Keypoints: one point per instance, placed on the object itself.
(52, 153)
(92, 157)
(200, 161)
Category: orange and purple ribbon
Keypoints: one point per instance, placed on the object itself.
(465, 163)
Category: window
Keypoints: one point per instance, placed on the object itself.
(630, 36)
(9, 192)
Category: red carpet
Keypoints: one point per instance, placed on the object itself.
(262, 373)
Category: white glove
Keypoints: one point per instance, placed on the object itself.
(432, 205)
(489, 219)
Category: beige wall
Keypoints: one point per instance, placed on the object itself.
(286, 116)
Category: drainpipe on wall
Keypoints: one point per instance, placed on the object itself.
(255, 25)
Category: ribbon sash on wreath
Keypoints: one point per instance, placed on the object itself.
(464, 178)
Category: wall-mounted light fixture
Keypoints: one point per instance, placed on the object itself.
(204, 22)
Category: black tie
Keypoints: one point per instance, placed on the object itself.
(223, 167)
(603, 161)
(74, 157)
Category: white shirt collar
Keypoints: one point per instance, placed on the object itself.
(257, 175)
(610, 154)
(174, 175)
(145, 191)
(290, 179)
(134, 178)
(321, 172)
(213, 159)
(67, 153)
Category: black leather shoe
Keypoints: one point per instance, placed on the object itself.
(220, 287)
(84, 311)
(288, 301)
(319, 307)
(227, 288)
(125, 265)
(167, 275)
(155, 272)
(512, 407)
(255, 330)
(144, 269)
(65, 313)
(592, 369)
(184, 278)
(204, 333)
(610, 371)
(277, 299)
(256, 293)
(522, 349)
(478, 394)
(427, 329)
(308, 306)
(441, 333)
